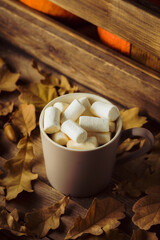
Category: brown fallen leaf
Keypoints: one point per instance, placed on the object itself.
(19, 175)
(147, 209)
(37, 94)
(10, 222)
(7, 79)
(104, 213)
(143, 235)
(25, 118)
(39, 222)
(5, 108)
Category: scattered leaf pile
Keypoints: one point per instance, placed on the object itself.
(140, 176)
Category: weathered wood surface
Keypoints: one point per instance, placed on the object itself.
(127, 19)
(80, 58)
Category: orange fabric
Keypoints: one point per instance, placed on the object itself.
(114, 41)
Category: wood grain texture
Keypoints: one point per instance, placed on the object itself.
(127, 19)
(80, 58)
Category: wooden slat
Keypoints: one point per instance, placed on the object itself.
(82, 59)
(127, 19)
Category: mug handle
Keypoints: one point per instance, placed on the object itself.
(136, 132)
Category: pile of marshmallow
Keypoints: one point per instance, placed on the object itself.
(80, 125)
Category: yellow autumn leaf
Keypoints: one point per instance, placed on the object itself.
(103, 214)
(25, 118)
(7, 79)
(51, 80)
(39, 222)
(2, 190)
(146, 209)
(131, 118)
(19, 167)
(65, 86)
(37, 94)
(10, 222)
(143, 235)
(127, 145)
(5, 108)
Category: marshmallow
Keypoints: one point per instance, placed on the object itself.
(61, 106)
(87, 105)
(90, 143)
(105, 110)
(102, 138)
(94, 124)
(73, 111)
(74, 131)
(51, 120)
(112, 126)
(60, 138)
(85, 102)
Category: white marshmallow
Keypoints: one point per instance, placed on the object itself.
(94, 124)
(73, 111)
(51, 120)
(112, 126)
(89, 144)
(102, 138)
(87, 105)
(105, 110)
(61, 106)
(74, 131)
(60, 138)
(85, 102)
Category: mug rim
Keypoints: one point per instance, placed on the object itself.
(119, 122)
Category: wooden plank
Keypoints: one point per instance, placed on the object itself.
(127, 19)
(82, 59)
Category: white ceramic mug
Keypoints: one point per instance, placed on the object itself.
(82, 173)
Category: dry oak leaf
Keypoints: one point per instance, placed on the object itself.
(131, 118)
(147, 209)
(7, 79)
(10, 222)
(104, 213)
(39, 222)
(65, 86)
(19, 175)
(37, 94)
(25, 118)
(5, 108)
(143, 235)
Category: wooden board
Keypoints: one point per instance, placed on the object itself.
(127, 19)
(82, 59)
